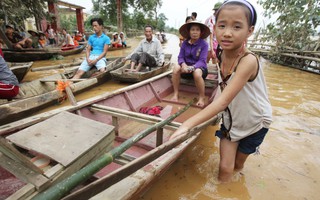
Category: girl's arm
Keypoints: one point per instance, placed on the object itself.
(247, 69)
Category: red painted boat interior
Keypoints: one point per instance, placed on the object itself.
(157, 93)
(9, 184)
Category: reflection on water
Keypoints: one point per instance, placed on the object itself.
(288, 166)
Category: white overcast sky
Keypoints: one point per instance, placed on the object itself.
(176, 11)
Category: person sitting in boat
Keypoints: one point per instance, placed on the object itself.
(116, 42)
(18, 42)
(79, 37)
(159, 37)
(68, 40)
(192, 59)
(35, 38)
(9, 85)
(123, 39)
(148, 53)
(96, 51)
(42, 39)
(163, 35)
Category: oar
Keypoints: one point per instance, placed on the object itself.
(60, 189)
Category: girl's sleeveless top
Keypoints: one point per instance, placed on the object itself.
(250, 109)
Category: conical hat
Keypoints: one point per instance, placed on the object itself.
(184, 30)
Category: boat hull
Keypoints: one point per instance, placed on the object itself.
(123, 76)
(150, 156)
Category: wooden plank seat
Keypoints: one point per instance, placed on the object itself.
(69, 140)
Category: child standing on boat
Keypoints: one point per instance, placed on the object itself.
(247, 112)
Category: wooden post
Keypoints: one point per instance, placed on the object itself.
(116, 125)
(80, 21)
(119, 16)
(53, 9)
(159, 137)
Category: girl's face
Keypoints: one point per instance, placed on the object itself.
(195, 32)
(232, 28)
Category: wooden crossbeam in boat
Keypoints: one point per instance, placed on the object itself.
(9, 150)
(124, 159)
(133, 116)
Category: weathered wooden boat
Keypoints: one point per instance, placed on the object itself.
(42, 92)
(20, 69)
(149, 157)
(73, 51)
(27, 55)
(122, 75)
(13, 55)
(118, 48)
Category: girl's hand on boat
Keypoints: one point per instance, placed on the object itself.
(181, 131)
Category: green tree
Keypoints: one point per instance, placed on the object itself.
(297, 21)
(161, 21)
(16, 11)
(145, 12)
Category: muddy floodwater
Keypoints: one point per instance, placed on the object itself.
(288, 166)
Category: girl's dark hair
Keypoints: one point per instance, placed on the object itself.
(250, 12)
(98, 20)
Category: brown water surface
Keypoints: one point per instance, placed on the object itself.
(288, 164)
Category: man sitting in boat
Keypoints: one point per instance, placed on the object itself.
(192, 58)
(116, 42)
(9, 85)
(18, 42)
(148, 53)
(97, 48)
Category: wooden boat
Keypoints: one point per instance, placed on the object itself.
(118, 48)
(20, 69)
(27, 55)
(118, 109)
(121, 75)
(13, 55)
(42, 92)
(73, 51)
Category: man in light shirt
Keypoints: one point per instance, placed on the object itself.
(148, 53)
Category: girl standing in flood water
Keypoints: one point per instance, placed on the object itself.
(247, 112)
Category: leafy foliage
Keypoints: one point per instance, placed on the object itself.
(144, 12)
(19, 10)
(296, 23)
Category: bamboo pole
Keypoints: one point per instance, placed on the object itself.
(59, 190)
(57, 66)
